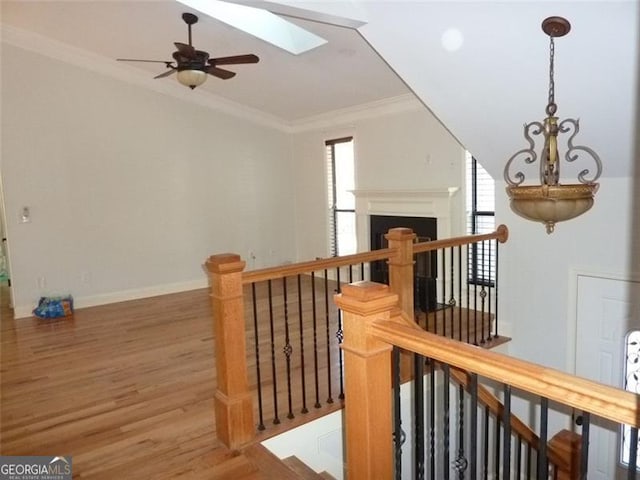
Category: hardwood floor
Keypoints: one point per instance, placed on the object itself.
(127, 389)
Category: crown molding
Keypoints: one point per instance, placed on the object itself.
(81, 58)
(96, 63)
(378, 108)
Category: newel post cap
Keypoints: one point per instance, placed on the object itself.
(225, 263)
(366, 298)
(400, 233)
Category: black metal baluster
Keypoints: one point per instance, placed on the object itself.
(397, 417)
(460, 292)
(483, 296)
(496, 465)
(475, 311)
(461, 463)
(543, 461)
(340, 337)
(276, 419)
(485, 445)
(473, 446)
(495, 317)
(633, 453)
(288, 349)
(432, 420)
(468, 301)
(362, 271)
(302, 366)
(418, 406)
(315, 339)
(452, 298)
(519, 459)
(584, 452)
(257, 349)
(489, 288)
(444, 294)
(445, 430)
(506, 420)
(327, 333)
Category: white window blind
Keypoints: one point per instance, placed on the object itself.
(480, 206)
(341, 200)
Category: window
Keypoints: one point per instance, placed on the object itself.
(480, 219)
(631, 384)
(342, 201)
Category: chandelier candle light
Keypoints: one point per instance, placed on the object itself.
(550, 201)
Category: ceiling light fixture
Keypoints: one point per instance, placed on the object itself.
(192, 78)
(551, 202)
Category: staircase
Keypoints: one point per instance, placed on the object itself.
(255, 462)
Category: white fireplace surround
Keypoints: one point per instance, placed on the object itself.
(436, 203)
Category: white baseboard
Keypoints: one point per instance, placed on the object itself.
(25, 311)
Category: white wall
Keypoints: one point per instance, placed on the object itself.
(406, 150)
(131, 190)
(537, 270)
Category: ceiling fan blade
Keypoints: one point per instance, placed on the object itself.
(185, 50)
(167, 73)
(235, 60)
(136, 60)
(220, 73)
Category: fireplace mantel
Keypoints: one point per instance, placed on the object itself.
(436, 203)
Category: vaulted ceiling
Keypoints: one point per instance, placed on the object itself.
(480, 66)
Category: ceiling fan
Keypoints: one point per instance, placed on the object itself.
(192, 66)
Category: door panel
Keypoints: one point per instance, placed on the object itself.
(607, 309)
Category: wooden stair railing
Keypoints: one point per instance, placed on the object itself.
(234, 400)
(563, 448)
(369, 335)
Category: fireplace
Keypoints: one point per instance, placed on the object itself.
(425, 271)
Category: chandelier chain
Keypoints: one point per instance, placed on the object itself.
(552, 85)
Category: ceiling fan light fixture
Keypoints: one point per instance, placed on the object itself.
(192, 78)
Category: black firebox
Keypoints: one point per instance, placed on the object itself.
(426, 268)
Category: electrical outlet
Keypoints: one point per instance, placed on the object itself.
(41, 282)
(85, 277)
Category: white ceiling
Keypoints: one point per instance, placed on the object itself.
(483, 92)
(342, 73)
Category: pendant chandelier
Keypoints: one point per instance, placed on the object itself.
(550, 202)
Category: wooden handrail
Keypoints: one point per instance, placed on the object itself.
(605, 401)
(501, 234)
(315, 265)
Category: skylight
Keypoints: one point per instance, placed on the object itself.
(259, 23)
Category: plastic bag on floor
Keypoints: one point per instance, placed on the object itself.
(54, 307)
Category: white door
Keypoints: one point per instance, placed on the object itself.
(607, 309)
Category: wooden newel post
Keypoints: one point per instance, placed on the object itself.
(569, 446)
(401, 267)
(233, 400)
(401, 282)
(368, 394)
